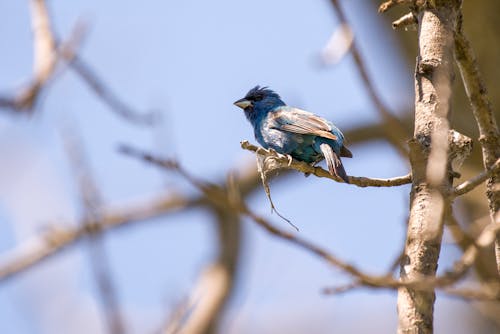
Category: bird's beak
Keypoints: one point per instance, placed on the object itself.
(243, 103)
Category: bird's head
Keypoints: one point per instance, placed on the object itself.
(258, 102)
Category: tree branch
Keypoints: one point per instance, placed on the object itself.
(56, 238)
(223, 198)
(92, 206)
(45, 59)
(395, 129)
(483, 113)
(105, 94)
(471, 184)
(286, 162)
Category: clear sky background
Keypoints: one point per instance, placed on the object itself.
(191, 60)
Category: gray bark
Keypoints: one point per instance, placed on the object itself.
(431, 181)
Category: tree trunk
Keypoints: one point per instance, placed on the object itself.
(429, 161)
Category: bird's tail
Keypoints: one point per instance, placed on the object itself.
(333, 162)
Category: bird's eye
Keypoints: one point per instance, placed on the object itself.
(257, 98)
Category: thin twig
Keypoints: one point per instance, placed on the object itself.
(320, 172)
(219, 196)
(46, 57)
(92, 205)
(489, 133)
(471, 184)
(391, 3)
(106, 95)
(395, 129)
(56, 237)
(487, 292)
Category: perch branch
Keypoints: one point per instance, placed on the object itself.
(320, 172)
(219, 196)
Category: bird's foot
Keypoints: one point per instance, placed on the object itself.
(272, 151)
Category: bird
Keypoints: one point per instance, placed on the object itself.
(294, 132)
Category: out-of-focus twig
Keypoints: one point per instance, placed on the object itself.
(487, 292)
(395, 129)
(489, 134)
(219, 196)
(285, 162)
(106, 95)
(92, 204)
(47, 54)
(56, 237)
(217, 280)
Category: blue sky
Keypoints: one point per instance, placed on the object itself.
(191, 60)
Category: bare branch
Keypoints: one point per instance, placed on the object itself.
(104, 93)
(471, 184)
(285, 162)
(46, 58)
(216, 283)
(92, 205)
(483, 113)
(395, 129)
(220, 197)
(56, 238)
(488, 292)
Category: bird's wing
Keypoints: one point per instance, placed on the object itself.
(302, 122)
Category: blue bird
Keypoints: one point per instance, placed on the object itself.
(295, 132)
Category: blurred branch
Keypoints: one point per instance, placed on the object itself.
(288, 162)
(45, 59)
(47, 55)
(92, 205)
(217, 280)
(488, 292)
(44, 43)
(489, 134)
(395, 130)
(104, 93)
(463, 239)
(56, 238)
(221, 197)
